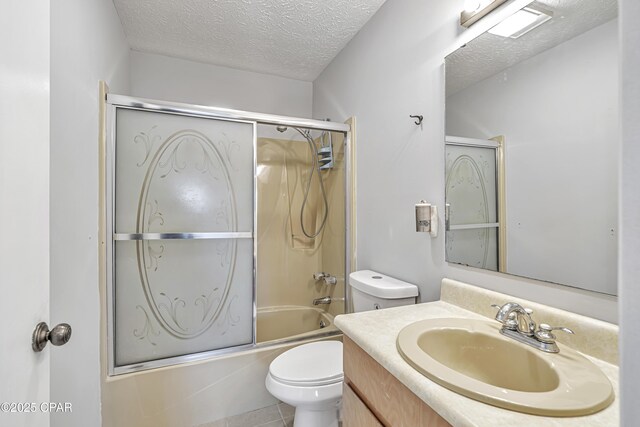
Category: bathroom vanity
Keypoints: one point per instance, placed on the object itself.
(371, 393)
(381, 388)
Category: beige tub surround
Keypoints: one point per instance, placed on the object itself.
(376, 333)
(286, 258)
(192, 393)
(290, 322)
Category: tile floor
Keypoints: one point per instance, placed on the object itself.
(279, 415)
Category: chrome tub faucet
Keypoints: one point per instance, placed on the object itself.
(323, 300)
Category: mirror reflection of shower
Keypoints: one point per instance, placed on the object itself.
(322, 159)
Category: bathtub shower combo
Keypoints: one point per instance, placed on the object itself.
(220, 240)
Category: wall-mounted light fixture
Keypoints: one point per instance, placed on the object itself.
(521, 22)
(474, 10)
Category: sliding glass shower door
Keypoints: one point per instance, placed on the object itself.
(473, 225)
(182, 227)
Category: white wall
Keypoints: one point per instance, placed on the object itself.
(393, 68)
(24, 205)
(87, 45)
(629, 268)
(171, 79)
(559, 113)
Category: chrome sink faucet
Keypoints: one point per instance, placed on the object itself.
(515, 317)
(518, 324)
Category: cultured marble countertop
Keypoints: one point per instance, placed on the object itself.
(376, 331)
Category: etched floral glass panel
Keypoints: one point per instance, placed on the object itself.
(476, 247)
(196, 296)
(471, 195)
(179, 174)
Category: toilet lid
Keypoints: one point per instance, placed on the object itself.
(317, 363)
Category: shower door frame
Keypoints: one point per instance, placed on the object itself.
(115, 102)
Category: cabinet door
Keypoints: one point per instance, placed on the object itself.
(355, 412)
(393, 404)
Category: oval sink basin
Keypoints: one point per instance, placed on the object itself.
(472, 358)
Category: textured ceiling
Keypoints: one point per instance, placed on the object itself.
(289, 38)
(489, 54)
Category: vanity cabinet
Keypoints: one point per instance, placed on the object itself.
(374, 397)
(355, 412)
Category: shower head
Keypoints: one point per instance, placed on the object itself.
(281, 128)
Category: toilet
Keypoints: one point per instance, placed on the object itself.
(309, 377)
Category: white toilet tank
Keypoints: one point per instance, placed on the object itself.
(371, 291)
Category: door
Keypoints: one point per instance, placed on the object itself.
(24, 210)
(180, 197)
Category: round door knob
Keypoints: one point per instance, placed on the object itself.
(59, 335)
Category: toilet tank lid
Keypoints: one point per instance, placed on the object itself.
(381, 286)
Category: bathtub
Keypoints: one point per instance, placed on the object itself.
(291, 322)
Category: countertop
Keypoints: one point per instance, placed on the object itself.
(376, 331)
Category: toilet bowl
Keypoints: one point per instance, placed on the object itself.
(309, 377)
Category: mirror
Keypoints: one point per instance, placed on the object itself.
(532, 146)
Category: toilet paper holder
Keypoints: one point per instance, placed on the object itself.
(426, 218)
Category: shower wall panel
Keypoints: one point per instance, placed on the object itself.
(332, 253)
(287, 258)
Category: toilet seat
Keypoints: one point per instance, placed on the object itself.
(309, 365)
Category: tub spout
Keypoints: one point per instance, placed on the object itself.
(323, 300)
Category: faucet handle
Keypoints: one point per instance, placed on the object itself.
(544, 333)
(511, 322)
(328, 278)
(319, 276)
